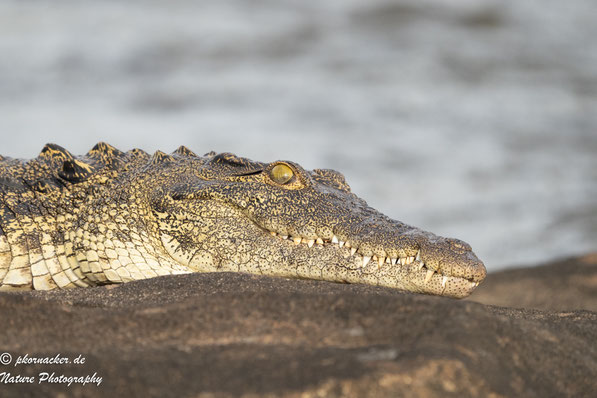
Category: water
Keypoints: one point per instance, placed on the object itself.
(471, 119)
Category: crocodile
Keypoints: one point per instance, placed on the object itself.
(110, 217)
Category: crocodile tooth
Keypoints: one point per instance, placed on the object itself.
(473, 285)
(366, 260)
(353, 250)
(429, 275)
(341, 243)
(334, 239)
(381, 260)
(319, 241)
(393, 260)
(418, 258)
(297, 239)
(444, 280)
(403, 260)
(284, 236)
(388, 260)
(410, 260)
(347, 244)
(421, 265)
(310, 242)
(273, 233)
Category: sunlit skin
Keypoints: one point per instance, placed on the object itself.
(112, 217)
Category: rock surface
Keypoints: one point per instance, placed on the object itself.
(569, 284)
(222, 334)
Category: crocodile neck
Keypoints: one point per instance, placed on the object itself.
(65, 240)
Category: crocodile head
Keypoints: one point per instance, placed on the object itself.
(225, 213)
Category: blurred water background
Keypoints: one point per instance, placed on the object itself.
(471, 119)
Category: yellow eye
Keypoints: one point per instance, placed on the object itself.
(281, 174)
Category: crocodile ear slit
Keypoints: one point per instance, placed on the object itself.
(75, 171)
(248, 173)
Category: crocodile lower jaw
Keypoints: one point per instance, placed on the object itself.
(413, 265)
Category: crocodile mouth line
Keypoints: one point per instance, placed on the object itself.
(414, 263)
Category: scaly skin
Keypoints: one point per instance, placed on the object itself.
(112, 217)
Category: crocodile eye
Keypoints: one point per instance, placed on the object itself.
(281, 174)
